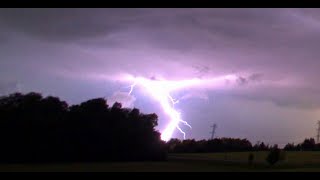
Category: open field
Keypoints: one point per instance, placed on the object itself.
(204, 162)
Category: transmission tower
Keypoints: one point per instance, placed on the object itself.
(318, 132)
(214, 126)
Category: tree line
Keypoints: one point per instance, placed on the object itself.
(214, 145)
(234, 145)
(34, 128)
(309, 144)
(45, 129)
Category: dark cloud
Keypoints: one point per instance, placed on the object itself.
(242, 81)
(167, 42)
(294, 97)
(175, 25)
(255, 77)
(201, 70)
(59, 24)
(75, 53)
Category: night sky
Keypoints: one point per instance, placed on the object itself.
(77, 54)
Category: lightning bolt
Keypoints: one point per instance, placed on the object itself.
(160, 91)
(167, 103)
(131, 88)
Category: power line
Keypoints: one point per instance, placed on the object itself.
(214, 126)
(318, 132)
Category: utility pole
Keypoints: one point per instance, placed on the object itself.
(214, 126)
(318, 132)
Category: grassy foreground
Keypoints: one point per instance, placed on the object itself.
(204, 162)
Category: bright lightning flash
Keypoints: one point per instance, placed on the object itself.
(160, 91)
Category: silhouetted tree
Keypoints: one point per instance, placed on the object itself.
(290, 147)
(37, 129)
(212, 145)
(308, 144)
(260, 146)
(172, 145)
(274, 155)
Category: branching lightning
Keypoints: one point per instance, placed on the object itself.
(160, 90)
(162, 95)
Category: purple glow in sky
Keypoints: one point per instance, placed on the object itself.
(161, 91)
(78, 54)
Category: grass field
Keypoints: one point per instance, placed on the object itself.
(204, 162)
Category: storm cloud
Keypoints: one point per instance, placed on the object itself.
(79, 53)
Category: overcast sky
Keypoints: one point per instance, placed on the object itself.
(77, 54)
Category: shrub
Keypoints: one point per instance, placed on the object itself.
(250, 158)
(275, 155)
